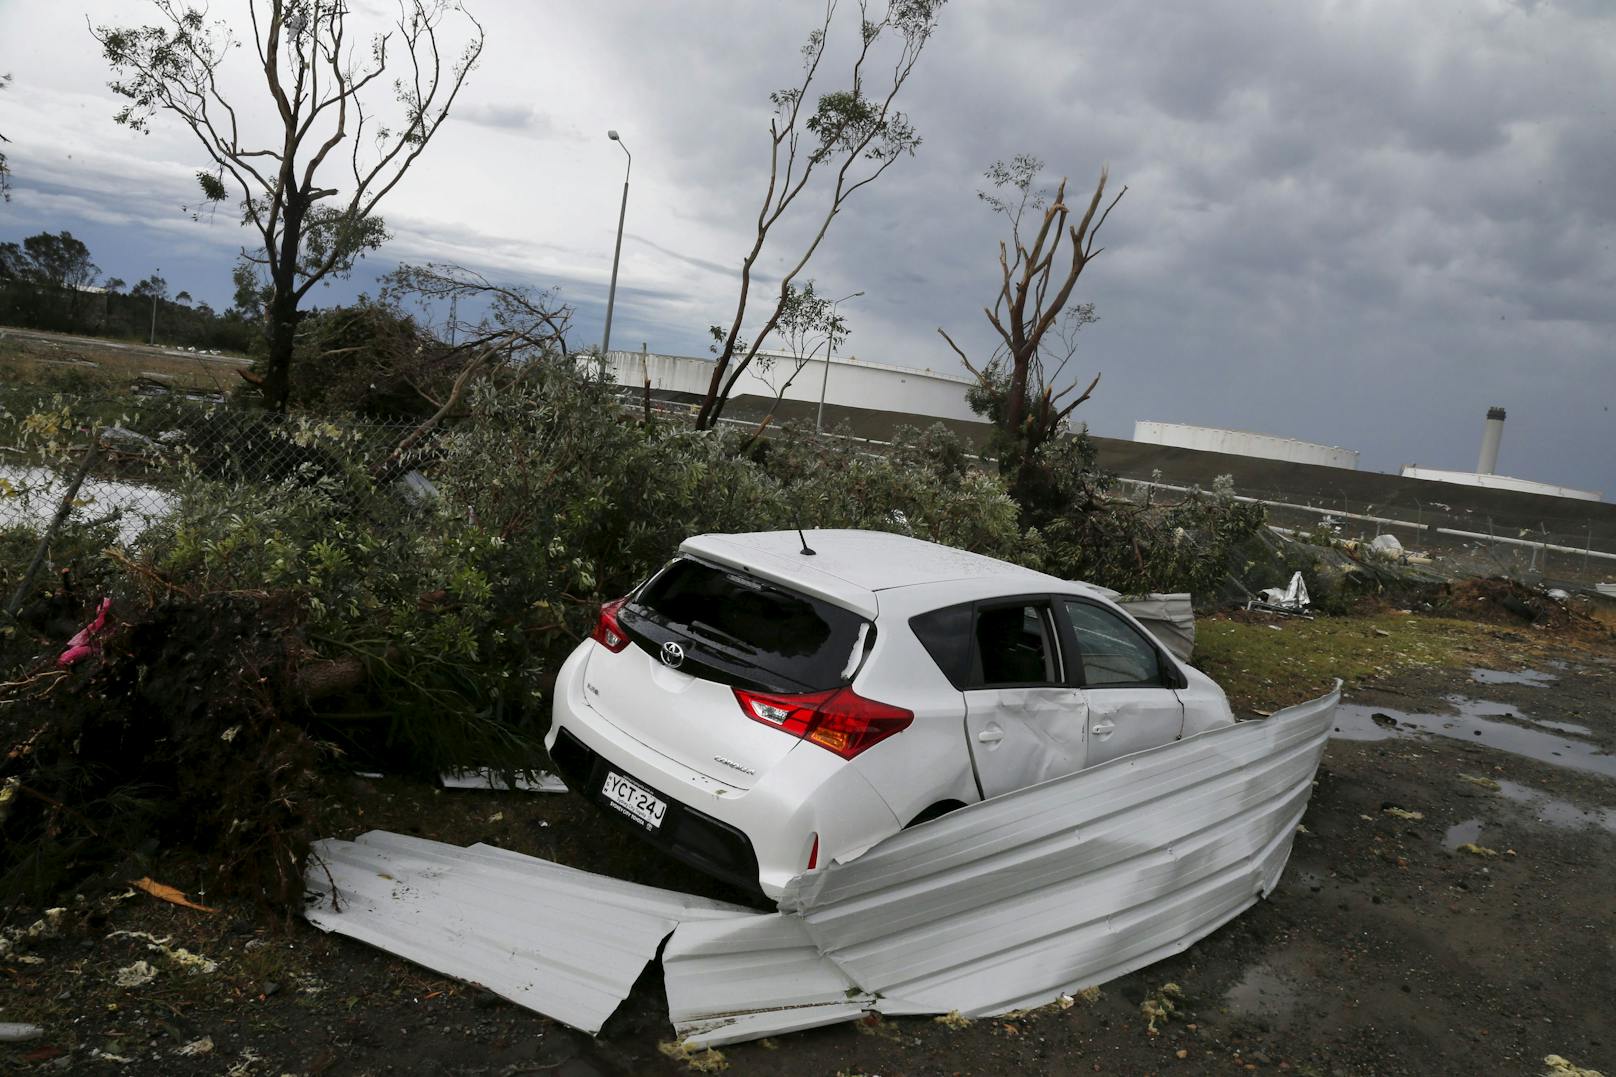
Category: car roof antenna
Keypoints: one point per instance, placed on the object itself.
(806, 551)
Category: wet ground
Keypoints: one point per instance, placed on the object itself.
(1449, 908)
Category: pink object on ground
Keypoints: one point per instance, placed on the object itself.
(83, 645)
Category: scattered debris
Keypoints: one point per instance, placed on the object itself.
(1387, 546)
(697, 1060)
(14, 1032)
(168, 893)
(1485, 783)
(536, 781)
(249, 1059)
(1403, 813)
(1290, 599)
(120, 439)
(1160, 1006)
(138, 974)
(196, 1048)
(1562, 1067)
(1477, 850)
(178, 955)
(84, 644)
(953, 1019)
(46, 927)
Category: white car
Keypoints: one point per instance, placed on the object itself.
(769, 703)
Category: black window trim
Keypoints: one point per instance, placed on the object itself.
(1173, 676)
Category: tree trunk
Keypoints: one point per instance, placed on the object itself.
(282, 340)
(283, 310)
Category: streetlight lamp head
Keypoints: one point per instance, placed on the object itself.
(613, 136)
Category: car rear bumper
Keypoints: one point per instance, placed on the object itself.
(694, 837)
(766, 832)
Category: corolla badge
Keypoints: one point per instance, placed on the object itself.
(673, 655)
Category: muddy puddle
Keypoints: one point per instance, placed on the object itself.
(1550, 809)
(1530, 677)
(1357, 722)
(1482, 708)
(1262, 992)
(1465, 833)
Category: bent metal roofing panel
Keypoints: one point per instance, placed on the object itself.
(998, 906)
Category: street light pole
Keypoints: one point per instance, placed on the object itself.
(611, 296)
(153, 341)
(830, 346)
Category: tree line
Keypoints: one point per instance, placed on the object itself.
(51, 281)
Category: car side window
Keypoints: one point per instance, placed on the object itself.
(1112, 652)
(1014, 644)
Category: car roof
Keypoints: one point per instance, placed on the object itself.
(850, 567)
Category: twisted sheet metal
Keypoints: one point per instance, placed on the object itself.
(998, 906)
(566, 943)
(1015, 901)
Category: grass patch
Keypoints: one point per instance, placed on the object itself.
(72, 364)
(1269, 664)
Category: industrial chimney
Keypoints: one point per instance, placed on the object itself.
(1491, 435)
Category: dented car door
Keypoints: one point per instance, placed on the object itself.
(1128, 686)
(1024, 722)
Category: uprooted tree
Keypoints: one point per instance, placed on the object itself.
(1018, 386)
(326, 116)
(849, 139)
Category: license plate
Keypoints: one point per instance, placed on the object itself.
(634, 800)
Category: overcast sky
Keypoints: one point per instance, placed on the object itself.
(1358, 223)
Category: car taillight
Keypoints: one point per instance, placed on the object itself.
(839, 720)
(608, 633)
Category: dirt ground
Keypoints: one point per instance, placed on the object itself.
(1447, 909)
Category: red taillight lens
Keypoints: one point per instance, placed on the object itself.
(839, 720)
(608, 633)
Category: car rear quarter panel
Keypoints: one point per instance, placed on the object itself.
(930, 761)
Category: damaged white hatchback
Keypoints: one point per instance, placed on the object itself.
(769, 703)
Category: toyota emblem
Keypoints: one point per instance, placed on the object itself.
(673, 655)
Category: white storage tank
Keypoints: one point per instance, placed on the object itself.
(1242, 443)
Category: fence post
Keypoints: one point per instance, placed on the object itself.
(62, 512)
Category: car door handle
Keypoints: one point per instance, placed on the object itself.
(1103, 729)
(991, 735)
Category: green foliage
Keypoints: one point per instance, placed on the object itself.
(1091, 534)
(369, 359)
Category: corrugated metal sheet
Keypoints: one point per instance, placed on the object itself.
(1012, 902)
(1170, 618)
(564, 942)
(998, 906)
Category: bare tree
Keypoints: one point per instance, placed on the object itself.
(853, 134)
(323, 87)
(1017, 385)
(532, 322)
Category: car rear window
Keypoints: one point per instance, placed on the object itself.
(748, 632)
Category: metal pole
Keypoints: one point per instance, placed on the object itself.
(622, 212)
(830, 341)
(153, 341)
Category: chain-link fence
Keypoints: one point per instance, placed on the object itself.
(132, 455)
(148, 447)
